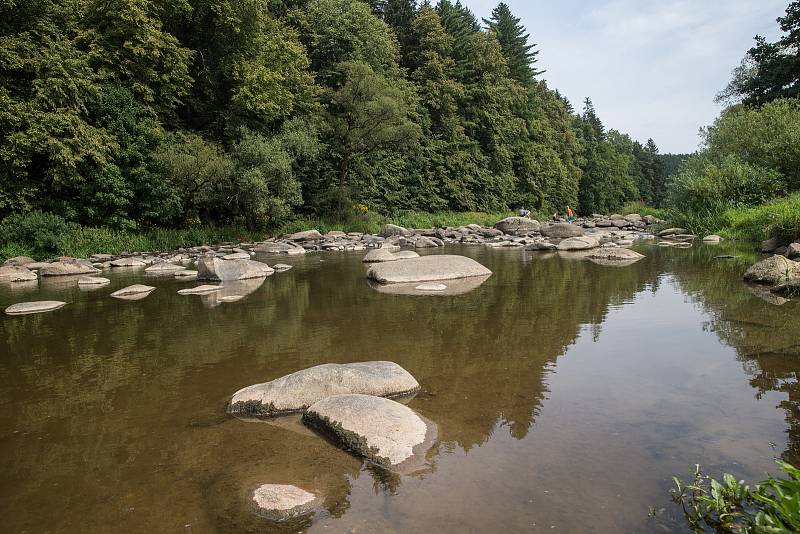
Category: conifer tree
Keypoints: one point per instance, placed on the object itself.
(513, 39)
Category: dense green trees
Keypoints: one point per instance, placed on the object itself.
(141, 113)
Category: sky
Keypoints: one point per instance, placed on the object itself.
(652, 69)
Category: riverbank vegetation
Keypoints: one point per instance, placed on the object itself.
(744, 183)
(730, 505)
(134, 115)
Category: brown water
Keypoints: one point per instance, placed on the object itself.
(566, 395)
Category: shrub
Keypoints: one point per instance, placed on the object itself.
(37, 232)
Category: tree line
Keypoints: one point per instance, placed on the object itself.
(135, 114)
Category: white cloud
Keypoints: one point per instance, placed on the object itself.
(651, 68)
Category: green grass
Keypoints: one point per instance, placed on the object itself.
(643, 209)
(779, 217)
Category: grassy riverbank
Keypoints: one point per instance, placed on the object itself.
(43, 236)
(779, 217)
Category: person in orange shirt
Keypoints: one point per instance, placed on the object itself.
(570, 215)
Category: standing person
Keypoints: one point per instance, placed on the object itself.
(570, 215)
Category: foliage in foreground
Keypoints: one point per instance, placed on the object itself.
(772, 507)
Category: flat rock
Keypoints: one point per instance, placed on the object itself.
(614, 254)
(230, 298)
(164, 267)
(13, 273)
(426, 269)
(297, 391)
(713, 238)
(127, 262)
(672, 231)
(135, 289)
(216, 269)
(382, 430)
(280, 267)
(578, 243)
(199, 290)
(273, 247)
(773, 270)
(185, 273)
(93, 281)
(24, 308)
(282, 501)
(561, 230)
(60, 268)
(517, 225)
(19, 261)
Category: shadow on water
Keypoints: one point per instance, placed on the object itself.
(101, 400)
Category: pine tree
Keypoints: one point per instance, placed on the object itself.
(513, 40)
(399, 15)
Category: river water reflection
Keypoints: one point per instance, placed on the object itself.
(565, 393)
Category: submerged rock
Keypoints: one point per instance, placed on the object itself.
(281, 267)
(93, 281)
(185, 273)
(430, 286)
(297, 391)
(282, 501)
(517, 225)
(773, 270)
(24, 308)
(60, 268)
(426, 269)
(382, 430)
(453, 287)
(578, 243)
(216, 269)
(11, 273)
(561, 230)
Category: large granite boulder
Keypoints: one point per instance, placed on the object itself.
(164, 268)
(382, 430)
(773, 270)
(425, 242)
(426, 269)
(793, 251)
(517, 225)
(282, 501)
(24, 308)
(61, 268)
(297, 391)
(391, 230)
(11, 273)
(578, 243)
(561, 230)
(308, 235)
(273, 247)
(216, 269)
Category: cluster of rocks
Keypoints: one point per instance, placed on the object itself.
(228, 268)
(780, 271)
(352, 405)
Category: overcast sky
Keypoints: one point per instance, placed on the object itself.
(651, 68)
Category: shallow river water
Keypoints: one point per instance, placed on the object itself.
(566, 395)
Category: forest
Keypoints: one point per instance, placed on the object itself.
(136, 115)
